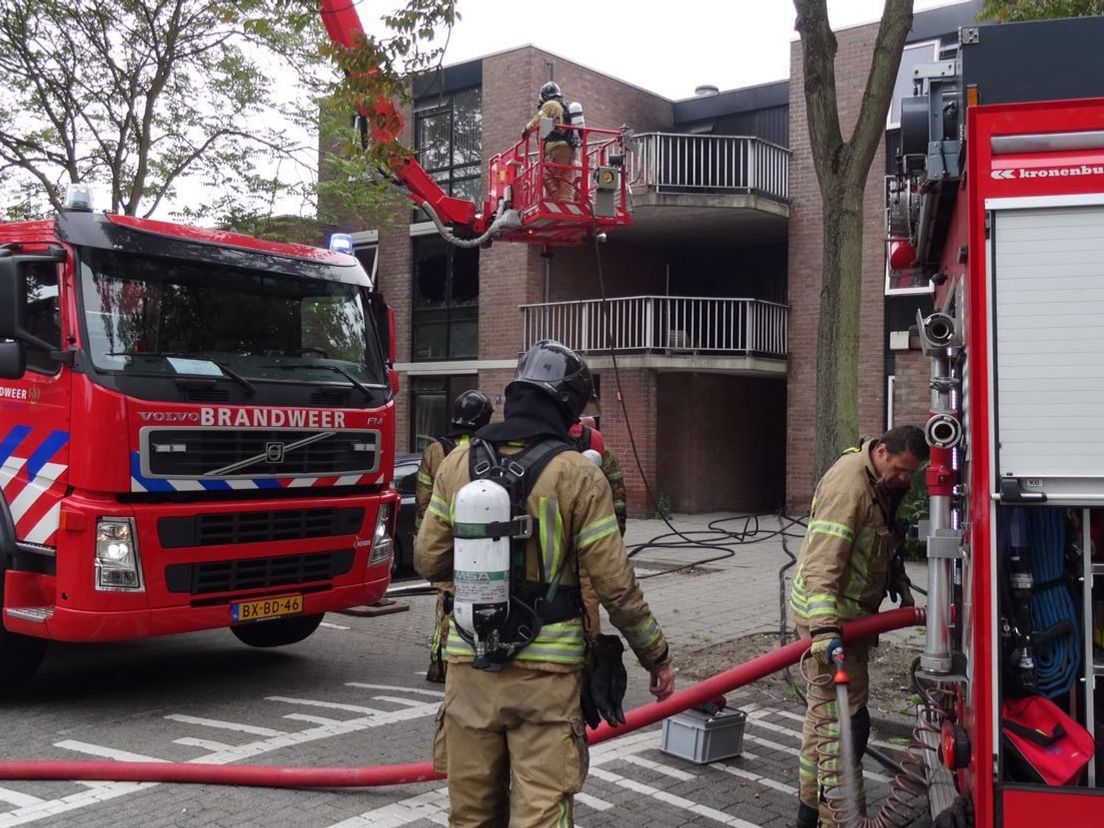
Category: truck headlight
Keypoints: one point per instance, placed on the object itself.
(382, 545)
(117, 565)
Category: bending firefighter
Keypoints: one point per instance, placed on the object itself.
(471, 411)
(847, 563)
(515, 515)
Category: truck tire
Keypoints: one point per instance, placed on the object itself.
(278, 632)
(21, 656)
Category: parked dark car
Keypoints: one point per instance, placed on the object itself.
(406, 476)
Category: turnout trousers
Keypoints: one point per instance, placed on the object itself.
(513, 745)
(820, 733)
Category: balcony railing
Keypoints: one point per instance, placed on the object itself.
(668, 162)
(665, 324)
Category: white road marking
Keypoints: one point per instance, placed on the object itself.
(398, 700)
(593, 802)
(867, 774)
(351, 708)
(437, 693)
(333, 626)
(433, 805)
(424, 806)
(102, 792)
(306, 717)
(221, 725)
(206, 744)
(674, 773)
(670, 799)
(19, 800)
(105, 752)
(754, 777)
(758, 715)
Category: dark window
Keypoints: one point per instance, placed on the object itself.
(368, 256)
(446, 301)
(42, 315)
(448, 135)
(406, 478)
(431, 403)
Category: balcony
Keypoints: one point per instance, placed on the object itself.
(710, 188)
(668, 332)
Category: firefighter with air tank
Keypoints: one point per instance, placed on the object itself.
(514, 517)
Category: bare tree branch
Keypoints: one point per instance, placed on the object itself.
(869, 129)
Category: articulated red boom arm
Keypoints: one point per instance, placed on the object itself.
(531, 197)
(386, 124)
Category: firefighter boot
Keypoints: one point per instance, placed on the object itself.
(807, 816)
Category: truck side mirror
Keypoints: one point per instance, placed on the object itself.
(13, 360)
(13, 295)
(13, 300)
(384, 317)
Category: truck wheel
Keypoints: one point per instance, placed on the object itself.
(278, 632)
(21, 656)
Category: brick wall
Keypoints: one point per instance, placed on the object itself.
(639, 388)
(805, 239)
(911, 390)
(627, 270)
(722, 442)
(608, 103)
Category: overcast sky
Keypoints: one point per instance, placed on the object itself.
(664, 47)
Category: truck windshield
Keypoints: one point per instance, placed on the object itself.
(166, 317)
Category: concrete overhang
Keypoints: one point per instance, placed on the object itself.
(739, 218)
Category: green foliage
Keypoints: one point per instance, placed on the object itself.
(1010, 11)
(135, 97)
(913, 509)
(663, 507)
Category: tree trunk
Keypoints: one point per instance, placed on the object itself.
(842, 167)
(837, 386)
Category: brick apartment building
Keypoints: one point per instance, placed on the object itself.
(713, 291)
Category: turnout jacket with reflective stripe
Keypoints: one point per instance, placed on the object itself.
(575, 529)
(427, 470)
(843, 567)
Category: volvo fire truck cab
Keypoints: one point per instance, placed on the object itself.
(1000, 200)
(196, 431)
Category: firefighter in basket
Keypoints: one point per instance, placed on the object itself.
(515, 515)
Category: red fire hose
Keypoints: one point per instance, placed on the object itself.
(296, 777)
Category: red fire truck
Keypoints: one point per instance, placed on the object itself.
(196, 431)
(1000, 200)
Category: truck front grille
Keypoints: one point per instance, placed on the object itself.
(257, 573)
(256, 527)
(218, 453)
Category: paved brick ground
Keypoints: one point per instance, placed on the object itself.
(353, 696)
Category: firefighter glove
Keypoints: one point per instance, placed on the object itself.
(604, 682)
(824, 641)
(960, 814)
(900, 587)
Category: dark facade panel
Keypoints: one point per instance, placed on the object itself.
(448, 79)
(936, 24)
(759, 111)
(1036, 61)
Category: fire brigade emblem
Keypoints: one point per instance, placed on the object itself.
(274, 452)
(35, 394)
